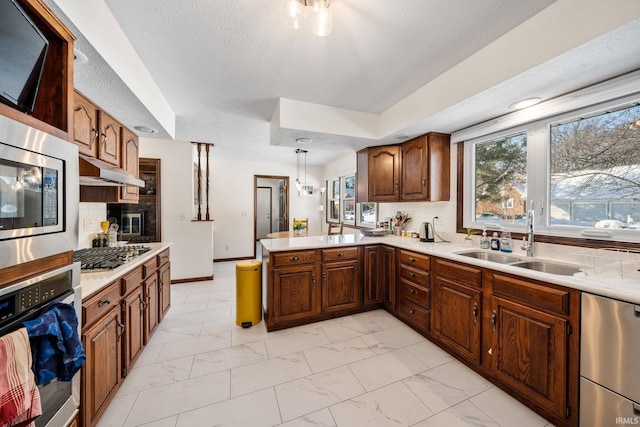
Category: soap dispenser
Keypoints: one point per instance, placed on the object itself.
(484, 240)
(495, 242)
(505, 243)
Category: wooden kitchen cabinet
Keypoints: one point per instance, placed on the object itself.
(389, 278)
(295, 296)
(85, 125)
(133, 319)
(533, 342)
(102, 338)
(109, 140)
(164, 285)
(458, 308)
(379, 280)
(425, 168)
(384, 173)
(151, 310)
(341, 279)
(414, 289)
(129, 162)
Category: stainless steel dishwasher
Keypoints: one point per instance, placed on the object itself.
(609, 362)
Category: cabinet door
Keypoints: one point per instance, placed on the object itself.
(101, 374)
(415, 170)
(164, 291)
(530, 353)
(151, 306)
(110, 137)
(373, 275)
(85, 126)
(384, 174)
(295, 295)
(133, 309)
(341, 286)
(389, 278)
(457, 320)
(129, 162)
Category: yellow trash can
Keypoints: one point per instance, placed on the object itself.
(248, 293)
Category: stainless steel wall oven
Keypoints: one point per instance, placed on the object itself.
(25, 301)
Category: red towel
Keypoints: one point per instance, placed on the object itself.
(19, 395)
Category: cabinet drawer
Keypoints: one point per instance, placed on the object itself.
(531, 294)
(414, 259)
(460, 272)
(293, 258)
(414, 276)
(415, 294)
(132, 280)
(149, 267)
(339, 254)
(414, 314)
(163, 257)
(96, 306)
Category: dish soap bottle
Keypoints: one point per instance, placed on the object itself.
(495, 242)
(484, 240)
(505, 244)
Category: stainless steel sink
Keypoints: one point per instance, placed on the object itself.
(548, 267)
(490, 256)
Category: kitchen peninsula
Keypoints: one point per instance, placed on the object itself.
(518, 327)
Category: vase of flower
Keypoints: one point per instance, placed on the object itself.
(299, 228)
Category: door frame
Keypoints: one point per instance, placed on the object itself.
(255, 203)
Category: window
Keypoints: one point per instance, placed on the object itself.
(349, 199)
(367, 214)
(333, 200)
(579, 170)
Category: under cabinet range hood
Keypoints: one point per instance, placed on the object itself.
(94, 172)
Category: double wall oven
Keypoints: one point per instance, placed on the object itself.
(39, 197)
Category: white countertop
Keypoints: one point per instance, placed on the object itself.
(608, 285)
(92, 282)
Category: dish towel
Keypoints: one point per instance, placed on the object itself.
(19, 395)
(55, 343)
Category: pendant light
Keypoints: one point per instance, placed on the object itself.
(299, 184)
(297, 10)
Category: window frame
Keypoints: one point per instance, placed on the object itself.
(345, 199)
(332, 197)
(538, 190)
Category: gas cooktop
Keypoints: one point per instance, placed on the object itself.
(98, 259)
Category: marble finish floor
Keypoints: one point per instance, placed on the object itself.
(200, 370)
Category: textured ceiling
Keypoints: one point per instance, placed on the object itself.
(223, 64)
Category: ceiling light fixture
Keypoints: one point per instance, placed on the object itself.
(145, 129)
(297, 10)
(300, 151)
(303, 141)
(524, 103)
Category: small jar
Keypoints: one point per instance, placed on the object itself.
(404, 233)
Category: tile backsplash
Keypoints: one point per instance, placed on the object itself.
(90, 216)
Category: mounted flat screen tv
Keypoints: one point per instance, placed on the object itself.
(23, 50)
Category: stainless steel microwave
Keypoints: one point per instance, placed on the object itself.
(38, 194)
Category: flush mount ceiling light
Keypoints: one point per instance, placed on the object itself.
(524, 103)
(79, 57)
(303, 141)
(322, 15)
(300, 151)
(145, 129)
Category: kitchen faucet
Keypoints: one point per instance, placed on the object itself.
(527, 242)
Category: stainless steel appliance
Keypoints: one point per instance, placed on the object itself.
(24, 301)
(426, 232)
(38, 194)
(99, 259)
(609, 368)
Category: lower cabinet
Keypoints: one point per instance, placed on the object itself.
(102, 338)
(379, 277)
(414, 289)
(341, 279)
(294, 293)
(117, 322)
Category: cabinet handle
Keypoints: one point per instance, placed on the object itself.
(475, 312)
(424, 182)
(104, 302)
(412, 259)
(294, 258)
(121, 326)
(412, 311)
(324, 277)
(493, 320)
(340, 254)
(313, 279)
(413, 291)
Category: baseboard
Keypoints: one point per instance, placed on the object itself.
(233, 259)
(192, 279)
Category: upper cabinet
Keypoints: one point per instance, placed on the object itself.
(85, 125)
(52, 112)
(418, 170)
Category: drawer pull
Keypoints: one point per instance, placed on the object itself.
(475, 312)
(104, 302)
(412, 311)
(413, 275)
(413, 291)
(412, 259)
(294, 258)
(340, 254)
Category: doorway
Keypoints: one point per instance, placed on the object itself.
(271, 204)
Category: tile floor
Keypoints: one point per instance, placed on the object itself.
(200, 370)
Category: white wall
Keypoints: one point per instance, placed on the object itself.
(192, 249)
(233, 202)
